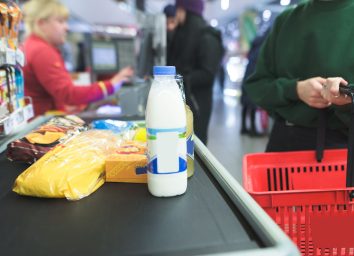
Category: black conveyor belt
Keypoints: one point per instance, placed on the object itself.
(215, 216)
(120, 219)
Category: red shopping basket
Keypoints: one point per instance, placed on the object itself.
(307, 199)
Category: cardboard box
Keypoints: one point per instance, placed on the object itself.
(129, 164)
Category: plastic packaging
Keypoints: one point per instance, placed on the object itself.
(14, 12)
(73, 170)
(4, 28)
(115, 126)
(38, 142)
(20, 93)
(190, 130)
(166, 133)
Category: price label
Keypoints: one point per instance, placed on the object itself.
(10, 56)
(18, 117)
(8, 125)
(20, 57)
(28, 112)
(2, 57)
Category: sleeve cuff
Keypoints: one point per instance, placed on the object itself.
(108, 86)
(289, 88)
(343, 108)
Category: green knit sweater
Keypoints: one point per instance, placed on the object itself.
(313, 39)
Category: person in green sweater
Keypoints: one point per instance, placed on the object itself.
(308, 53)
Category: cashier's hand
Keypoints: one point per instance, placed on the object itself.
(124, 75)
(309, 91)
(330, 91)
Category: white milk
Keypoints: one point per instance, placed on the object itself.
(166, 131)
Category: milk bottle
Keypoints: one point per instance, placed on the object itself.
(166, 133)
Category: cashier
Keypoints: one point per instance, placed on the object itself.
(47, 81)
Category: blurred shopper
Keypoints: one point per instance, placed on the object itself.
(171, 24)
(307, 45)
(196, 51)
(221, 76)
(47, 81)
(249, 109)
(170, 13)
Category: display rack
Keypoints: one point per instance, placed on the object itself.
(14, 121)
(15, 108)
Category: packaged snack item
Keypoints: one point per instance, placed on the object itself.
(140, 134)
(4, 28)
(15, 16)
(44, 138)
(127, 164)
(38, 142)
(115, 126)
(71, 170)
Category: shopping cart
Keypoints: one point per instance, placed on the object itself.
(311, 201)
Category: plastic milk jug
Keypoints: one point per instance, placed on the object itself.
(166, 135)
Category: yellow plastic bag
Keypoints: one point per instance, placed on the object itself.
(73, 170)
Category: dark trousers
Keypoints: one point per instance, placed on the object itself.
(248, 110)
(200, 103)
(287, 137)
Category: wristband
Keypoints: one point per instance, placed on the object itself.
(103, 88)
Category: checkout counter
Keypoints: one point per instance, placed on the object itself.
(215, 217)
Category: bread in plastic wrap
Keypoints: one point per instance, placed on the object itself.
(73, 170)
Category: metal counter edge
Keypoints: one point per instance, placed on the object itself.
(257, 217)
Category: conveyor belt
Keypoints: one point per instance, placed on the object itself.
(119, 219)
(215, 216)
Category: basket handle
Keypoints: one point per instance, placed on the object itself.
(351, 196)
(349, 90)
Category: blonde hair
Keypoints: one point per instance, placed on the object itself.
(35, 10)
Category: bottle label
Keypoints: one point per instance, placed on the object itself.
(167, 150)
(190, 146)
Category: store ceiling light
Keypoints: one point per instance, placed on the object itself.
(285, 2)
(266, 15)
(214, 23)
(225, 4)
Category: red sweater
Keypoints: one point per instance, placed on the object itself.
(49, 84)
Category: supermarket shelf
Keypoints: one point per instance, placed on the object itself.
(14, 121)
(10, 56)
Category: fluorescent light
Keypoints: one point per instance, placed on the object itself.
(266, 15)
(232, 92)
(214, 23)
(225, 4)
(285, 2)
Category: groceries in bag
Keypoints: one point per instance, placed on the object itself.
(71, 170)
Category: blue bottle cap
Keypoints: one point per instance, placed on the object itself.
(164, 70)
